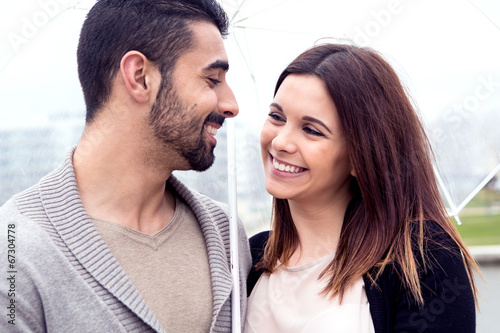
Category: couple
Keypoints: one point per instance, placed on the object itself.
(112, 242)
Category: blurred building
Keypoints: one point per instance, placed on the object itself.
(29, 153)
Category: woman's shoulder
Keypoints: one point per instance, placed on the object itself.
(432, 243)
(260, 239)
(445, 287)
(436, 257)
(257, 245)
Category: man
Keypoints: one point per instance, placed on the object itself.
(111, 241)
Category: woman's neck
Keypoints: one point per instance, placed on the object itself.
(318, 227)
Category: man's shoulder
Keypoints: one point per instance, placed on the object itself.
(30, 200)
(20, 204)
(9, 207)
(25, 231)
(11, 211)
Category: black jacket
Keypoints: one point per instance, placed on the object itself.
(448, 298)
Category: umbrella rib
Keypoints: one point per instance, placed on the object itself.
(246, 62)
(275, 30)
(484, 14)
(446, 193)
(250, 70)
(260, 12)
(238, 10)
(478, 188)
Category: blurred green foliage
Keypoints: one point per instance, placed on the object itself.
(481, 219)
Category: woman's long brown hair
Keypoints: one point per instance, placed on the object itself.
(395, 194)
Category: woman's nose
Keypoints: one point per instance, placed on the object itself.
(284, 140)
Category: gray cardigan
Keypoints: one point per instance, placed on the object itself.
(65, 279)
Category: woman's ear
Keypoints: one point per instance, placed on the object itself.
(353, 172)
(136, 70)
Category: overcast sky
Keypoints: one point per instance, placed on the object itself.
(442, 49)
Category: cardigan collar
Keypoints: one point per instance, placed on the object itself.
(65, 210)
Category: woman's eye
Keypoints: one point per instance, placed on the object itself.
(312, 131)
(276, 116)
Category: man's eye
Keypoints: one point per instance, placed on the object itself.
(214, 81)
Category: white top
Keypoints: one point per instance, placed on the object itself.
(289, 300)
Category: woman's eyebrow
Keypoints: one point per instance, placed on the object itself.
(277, 106)
(317, 121)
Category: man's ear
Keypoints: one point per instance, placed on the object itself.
(137, 72)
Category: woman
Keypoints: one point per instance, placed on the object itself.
(360, 239)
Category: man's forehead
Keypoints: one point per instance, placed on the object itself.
(208, 49)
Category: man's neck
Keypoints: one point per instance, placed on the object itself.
(116, 185)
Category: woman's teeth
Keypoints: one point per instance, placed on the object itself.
(286, 168)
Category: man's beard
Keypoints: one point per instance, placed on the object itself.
(177, 127)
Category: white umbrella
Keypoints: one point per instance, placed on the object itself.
(446, 52)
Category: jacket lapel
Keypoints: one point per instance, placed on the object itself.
(65, 210)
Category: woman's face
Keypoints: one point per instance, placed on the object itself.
(303, 145)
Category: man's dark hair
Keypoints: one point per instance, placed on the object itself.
(159, 29)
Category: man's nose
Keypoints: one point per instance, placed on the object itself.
(227, 104)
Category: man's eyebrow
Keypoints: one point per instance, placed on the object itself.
(218, 64)
(317, 121)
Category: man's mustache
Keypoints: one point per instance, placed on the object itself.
(215, 117)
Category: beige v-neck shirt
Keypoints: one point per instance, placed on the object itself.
(289, 300)
(169, 269)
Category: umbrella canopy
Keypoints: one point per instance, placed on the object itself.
(446, 53)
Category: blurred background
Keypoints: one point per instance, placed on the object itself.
(446, 52)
